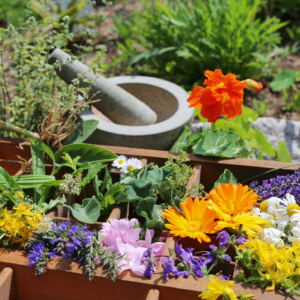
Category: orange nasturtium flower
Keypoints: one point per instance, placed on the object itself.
(223, 96)
(232, 199)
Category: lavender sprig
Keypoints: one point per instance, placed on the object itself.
(279, 186)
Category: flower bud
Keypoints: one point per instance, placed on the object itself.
(253, 85)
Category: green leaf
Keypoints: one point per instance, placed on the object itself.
(92, 172)
(139, 190)
(218, 143)
(52, 183)
(226, 177)
(260, 155)
(183, 141)
(8, 180)
(283, 80)
(165, 192)
(263, 143)
(29, 181)
(230, 126)
(88, 153)
(283, 153)
(84, 130)
(158, 176)
(38, 162)
(44, 207)
(41, 145)
(151, 211)
(88, 212)
(38, 167)
(247, 115)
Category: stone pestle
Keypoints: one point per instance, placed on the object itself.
(117, 104)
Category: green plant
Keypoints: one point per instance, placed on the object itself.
(260, 106)
(179, 40)
(285, 82)
(13, 11)
(294, 32)
(230, 138)
(50, 12)
(30, 90)
(287, 10)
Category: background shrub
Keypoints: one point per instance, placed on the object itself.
(181, 39)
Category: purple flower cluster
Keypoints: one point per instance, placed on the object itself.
(279, 186)
(70, 241)
(38, 258)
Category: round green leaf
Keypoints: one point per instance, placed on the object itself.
(283, 80)
(218, 143)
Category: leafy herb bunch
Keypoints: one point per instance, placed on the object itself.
(143, 186)
(178, 39)
(31, 93)
(71, 241)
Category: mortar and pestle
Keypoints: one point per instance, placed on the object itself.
(134, 111)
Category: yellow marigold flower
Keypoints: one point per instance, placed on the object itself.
(232, 199)
(216, 288)
(196, 222)
(249, 222)
(20, 195)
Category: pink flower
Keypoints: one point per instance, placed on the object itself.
(122, 229)
(157, 248)
(132, 258)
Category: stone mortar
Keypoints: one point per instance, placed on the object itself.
(118, 105)
(167, 99)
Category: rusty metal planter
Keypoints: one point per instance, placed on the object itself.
(64, 280)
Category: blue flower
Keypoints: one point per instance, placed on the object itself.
(223, 238)
(35, 253)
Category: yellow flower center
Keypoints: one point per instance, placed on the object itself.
(267, 224)
(130, 168)
(264, 206)
(121, 161)
(193, 226)
(292, 209)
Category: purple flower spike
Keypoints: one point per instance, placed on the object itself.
(240, 240)
(213, 247)
(227, 258)
(223, 238)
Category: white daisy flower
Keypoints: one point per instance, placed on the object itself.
(274, 240)
(296, 232)
(281, 225)
(270, 205)
(272, 235)
(119, 162)
(270, 232)
(295, 218)
(131, 164)
(263, 215)
(286, 208)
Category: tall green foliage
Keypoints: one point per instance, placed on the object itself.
(179, 40)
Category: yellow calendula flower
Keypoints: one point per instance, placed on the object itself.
(217, 287)
(196, 222)
(249, 222)
(232, 199)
